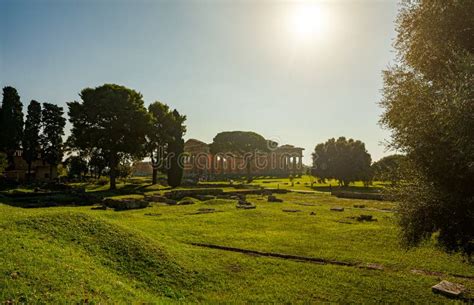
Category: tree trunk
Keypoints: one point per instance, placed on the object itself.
(112, 178)
(28, 178)
(113, 167)
(154, 179)
(50, 172)
(154, 166)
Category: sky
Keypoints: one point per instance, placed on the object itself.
(297, 72)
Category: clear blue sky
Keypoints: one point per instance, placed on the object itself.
(296, 72)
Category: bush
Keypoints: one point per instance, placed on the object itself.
(102, 181)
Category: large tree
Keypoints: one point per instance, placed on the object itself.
(51, 138)
(342, 159)
(158, 136)
(175, 149)
(389, 168)
(76, 166)
(244, 144)
(3, 162)
(11, 121)
(428, 100)
(111, 119)
(31, 135)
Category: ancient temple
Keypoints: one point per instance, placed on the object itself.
(282, 160)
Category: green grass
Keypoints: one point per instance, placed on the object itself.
(74, 254)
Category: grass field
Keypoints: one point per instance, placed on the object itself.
(81, 255)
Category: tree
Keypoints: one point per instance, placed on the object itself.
(11, 121)
(97, 163)
(112, 120)
(158, 136)
(342, 159)
(244, 144)
(77, 166)
(176, 149)
(31, 135)
(428, 101)
(51, 140)
(3, 162)
(389, 168)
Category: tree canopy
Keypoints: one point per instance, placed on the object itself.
(175, 149)
(238, 142)
(428, 101)
(111, 119)
(51, 139)
(342, 159)
(11, 121)
(388, 168)
(164, 128)
(31, 134)
(246, 144)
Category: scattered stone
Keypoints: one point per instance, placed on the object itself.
(448, 289)
(272, 198)
(246, 207)
(180, 194)
(186, 201)
(365, 218)
(170, 201)
(242, 204)
(291, 210)
(155, 198)
(337, 209)
(152, 214)
(359, 206)
(205, 197)
(124, 204)
(14, 275)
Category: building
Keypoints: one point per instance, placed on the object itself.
(142, 169)
(282, 160)
(40, 170)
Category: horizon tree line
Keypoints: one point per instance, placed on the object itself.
(39, 135)
(110, 127)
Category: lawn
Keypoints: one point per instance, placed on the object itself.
(82, 255)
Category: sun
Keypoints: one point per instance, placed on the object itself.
(307, 21)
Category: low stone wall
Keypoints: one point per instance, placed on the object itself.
(357, 195)
(180, 194)
(198, 193)
(125, 204)
(50, 199)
